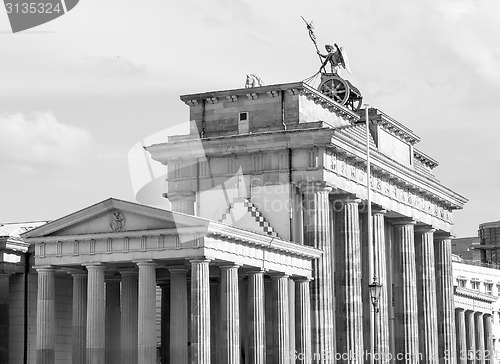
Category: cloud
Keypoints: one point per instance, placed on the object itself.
(39, 141)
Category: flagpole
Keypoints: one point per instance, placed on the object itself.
(371, 271)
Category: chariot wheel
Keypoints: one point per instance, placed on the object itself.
(335, 88)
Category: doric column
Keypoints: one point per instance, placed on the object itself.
(4, 317)
(165, 322)
(113, 320)
(178, 316)
(256, 318)
(445, 300)
(470, 336)
(230, 314)
(488, 340)
(317, 234)
(182, 201)
(426, 292)
(461, 334)
(79, 318)
(349, 302)
(96, 335)
(281, 319)
(381, 322)
(46, 316)
(405, 291)
(479, 338)
(146, 313)
(200, 312)
(216, 336)
(129, 300)
(303, 351)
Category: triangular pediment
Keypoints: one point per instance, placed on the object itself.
(115, 216)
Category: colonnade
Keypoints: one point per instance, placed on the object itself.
(415, 318)
(114, 316)
(474, 337)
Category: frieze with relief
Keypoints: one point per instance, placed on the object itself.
(390, 188)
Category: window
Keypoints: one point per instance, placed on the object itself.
(461, 282)
(488, 288)
(475, 285)
(243, 126)
(498, 289)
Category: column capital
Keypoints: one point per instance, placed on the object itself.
(403, 221)
(255, 270)
(144, 263)
(94, 265)
(460, 309)
(45, 268)
(278, 275)
(377, 210)
(346, 198)
(179, 195)
(313, 187)
(128, 272)
(200, 260)
(302, 279)
(422, 229)
(441, 235)
(229, 266)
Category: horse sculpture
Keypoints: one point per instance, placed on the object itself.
(253, 81)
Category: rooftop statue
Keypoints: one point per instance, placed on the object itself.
(253, 81)
(336, 57)
(332, 85)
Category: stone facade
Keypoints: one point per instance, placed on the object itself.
(265, 256)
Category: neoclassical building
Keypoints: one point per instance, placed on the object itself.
(264, 257)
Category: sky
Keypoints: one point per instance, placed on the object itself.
(78, 92)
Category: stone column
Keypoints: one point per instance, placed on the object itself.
(178, 316)
(79, 318)
(302, 321)
(317, 234)
(470, 336)
(405, 291)
(381, 323)
(461, 334)
(426, 292)
(256, 318)
(230, 314)
(46, 316)
(479, 338)
(4, 317)
(445, 300)
(281, 319)
(215, 321)
(113, 320)
(128, 323)
(96, 335)
(146, 314)
(165, 323)
(200, 312)
(488, 340)
(182, 201)
(349, 302)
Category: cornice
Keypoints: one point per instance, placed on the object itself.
(217, 229)
(425, 159)
(475, 295)
(392, 126)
